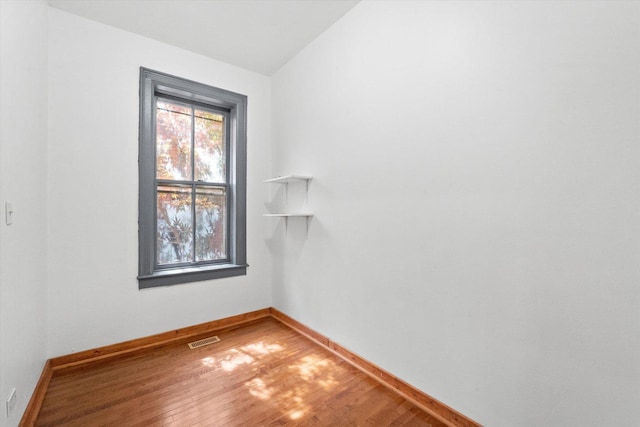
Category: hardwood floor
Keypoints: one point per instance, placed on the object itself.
(259, 374)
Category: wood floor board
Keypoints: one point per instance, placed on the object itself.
(262, 373)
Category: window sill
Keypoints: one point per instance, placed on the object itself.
(186, 275)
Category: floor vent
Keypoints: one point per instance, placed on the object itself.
(203, 342)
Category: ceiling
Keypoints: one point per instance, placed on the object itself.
(259, 35)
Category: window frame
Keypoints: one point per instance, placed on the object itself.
(194, 184)
(154, 84)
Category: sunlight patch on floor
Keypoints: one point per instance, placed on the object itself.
(317, 372)
(261, 348)
(274, 386)
(235, 359)
(209, 361)
(241, 356)
(317, 369)
(259, 389)
(296, 414)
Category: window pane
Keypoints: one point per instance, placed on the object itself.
(173, 141)
(211, 223)
(175, 225)
(210, 149)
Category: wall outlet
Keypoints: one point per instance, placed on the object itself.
(11, 402)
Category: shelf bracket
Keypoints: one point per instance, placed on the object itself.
(307, 223)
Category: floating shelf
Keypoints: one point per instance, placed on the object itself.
(288, 178)
(286, 217)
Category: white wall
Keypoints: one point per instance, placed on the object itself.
(23, 136)
(93, 197)
(477, 191)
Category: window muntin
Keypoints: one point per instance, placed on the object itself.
(192, 221)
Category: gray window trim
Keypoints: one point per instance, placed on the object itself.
(152, 84)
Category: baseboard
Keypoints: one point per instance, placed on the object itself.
(126, 348)
(35, 403)
(76, 360)
(434, 407)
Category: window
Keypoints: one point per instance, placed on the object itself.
(192, 178)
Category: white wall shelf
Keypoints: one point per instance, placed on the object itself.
(286, 217)
(289, 215)
(286, 179)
